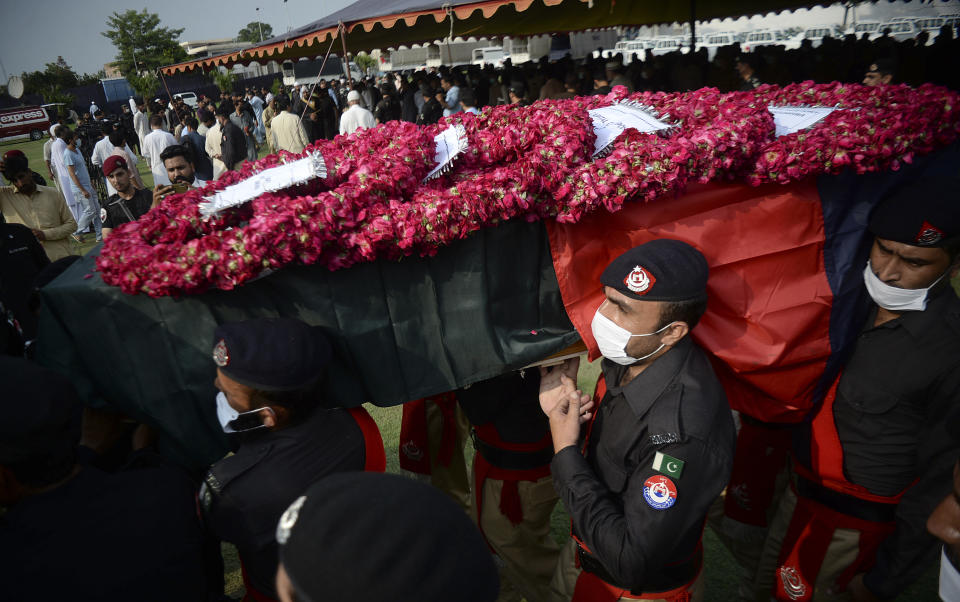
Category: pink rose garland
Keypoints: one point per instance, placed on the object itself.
(532, 162)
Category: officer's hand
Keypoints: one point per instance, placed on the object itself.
(143, 437)
(39, 234)
(859, 592)
(552, 388)
(565, 420)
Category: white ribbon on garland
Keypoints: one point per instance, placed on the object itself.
(276, 178)
(610, 122)
(450, 143)
(792, 119)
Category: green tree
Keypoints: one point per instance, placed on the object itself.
(52, 81)
(55, 76)
(91, 78)
(251, 33)
(142, 44)
(224, 80)
(366, 62)
(145, 85)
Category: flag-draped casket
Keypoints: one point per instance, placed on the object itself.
(426, 284)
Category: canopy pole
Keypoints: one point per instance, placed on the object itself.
(449, 37)
(169, 96)
(693, 26)
(346, 58)
(317, 80)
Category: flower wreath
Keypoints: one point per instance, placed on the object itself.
(532, 162)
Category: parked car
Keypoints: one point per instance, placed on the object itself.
(900, 30)
(630, 48)
(189, 98)
(931, 25)
(770, 37)
(666, 45)
(865, 27)
(814, 34)
(490, 55)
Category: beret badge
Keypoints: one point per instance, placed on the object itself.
(639, 280)
(928, 235)
(221, 356)
(289, 519)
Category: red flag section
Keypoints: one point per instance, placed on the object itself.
(767, 321)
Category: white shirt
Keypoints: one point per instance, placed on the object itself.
(153, 145)
(354, 118)
(212, 146)
(93, 108)
(63, 176)
(101, 150)
(141, 124)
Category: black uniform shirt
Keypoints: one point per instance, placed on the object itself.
(21, 259)
(245, 494)
(676, 406)
(132, 535)
(136, 207)
(233, 147)
(899, 392)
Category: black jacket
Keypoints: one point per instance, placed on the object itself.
(245, 494)
(643, 540)
(234, 144)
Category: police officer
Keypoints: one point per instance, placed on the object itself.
(638, 480)
(875, 458)
(72, 531)
(268, 373)
(513, 492)
(405, 542)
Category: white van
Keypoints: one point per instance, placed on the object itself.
(189, 98)
(491, 55)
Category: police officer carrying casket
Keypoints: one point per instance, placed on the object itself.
(639, 479)
(269, 373)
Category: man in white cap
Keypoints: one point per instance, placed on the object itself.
(356, 116)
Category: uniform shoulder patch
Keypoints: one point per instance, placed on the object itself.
(660, 492)
(668, 465)
(664, 438)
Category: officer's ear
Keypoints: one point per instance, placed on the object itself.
(674, 332)
(271, 416)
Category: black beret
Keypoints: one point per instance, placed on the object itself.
(271, 354)
(659, 270)
(925, 213)
(371, 536)
(41, 416)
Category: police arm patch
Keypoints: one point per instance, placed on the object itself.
(660, 492)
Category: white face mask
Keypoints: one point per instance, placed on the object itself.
(949, 578)
(227, 415)
(893, 298)
(612, 340)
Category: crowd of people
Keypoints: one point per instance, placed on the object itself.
(845, 506)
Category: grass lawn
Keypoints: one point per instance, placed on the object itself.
(719, 565)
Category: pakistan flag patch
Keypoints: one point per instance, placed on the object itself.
(668, 465)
